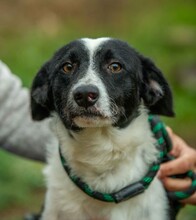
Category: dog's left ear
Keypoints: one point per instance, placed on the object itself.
(41, 99)
(155, 90)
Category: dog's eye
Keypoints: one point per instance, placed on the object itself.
(115, 67)
(68, 67)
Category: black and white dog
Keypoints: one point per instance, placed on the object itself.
(100, 92)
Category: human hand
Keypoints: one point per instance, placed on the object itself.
(185, 161)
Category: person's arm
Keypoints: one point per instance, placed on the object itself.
(185, 161)
(18, 133)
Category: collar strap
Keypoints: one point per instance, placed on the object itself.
(132, 189)
(158, 128)
(164, 146)
(119, 196)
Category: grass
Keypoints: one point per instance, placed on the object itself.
(165, 31)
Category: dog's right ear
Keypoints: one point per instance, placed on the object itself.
(155, 91)
(40, 95)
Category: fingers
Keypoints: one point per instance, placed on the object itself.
(170, 131)
(175, 184)
(179, 145)
(185, 160)
(185, 157)
(178, 166)
(191, 200)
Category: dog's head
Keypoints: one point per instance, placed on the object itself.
(99, 82)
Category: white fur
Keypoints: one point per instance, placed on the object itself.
(107, 159)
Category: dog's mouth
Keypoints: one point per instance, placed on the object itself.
(91, 118)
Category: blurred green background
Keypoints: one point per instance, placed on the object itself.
(31, 30)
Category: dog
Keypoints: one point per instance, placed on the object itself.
(100, 93)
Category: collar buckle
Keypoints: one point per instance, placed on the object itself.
(129, 192)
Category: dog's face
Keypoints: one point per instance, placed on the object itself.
(99, 82)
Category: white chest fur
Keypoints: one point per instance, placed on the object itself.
(107, 159)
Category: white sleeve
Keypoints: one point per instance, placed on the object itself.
(19, 134)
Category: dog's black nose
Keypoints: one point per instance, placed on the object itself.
(86, 96)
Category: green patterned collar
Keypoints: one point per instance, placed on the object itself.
(163, 144)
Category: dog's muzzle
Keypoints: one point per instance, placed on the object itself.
(90, 109)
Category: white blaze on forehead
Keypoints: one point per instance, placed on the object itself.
(93, 44)
(91, 76)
